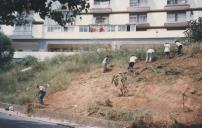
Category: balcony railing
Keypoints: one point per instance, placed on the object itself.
(172, 20)
(23, 30)
(179, 5)
(178, 2)
(92, 28)
(139, 7)
(101, 7)
(101, 4)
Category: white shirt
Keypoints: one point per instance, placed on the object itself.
(178, 44)
(105, 60)
(150, 51)
(133, 59)
(42, 88)
(167, 47)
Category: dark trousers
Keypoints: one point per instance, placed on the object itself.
(167, 54)
(41, 96)
(179, 50)
(130, 65)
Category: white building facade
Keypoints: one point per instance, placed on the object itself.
(114, 23)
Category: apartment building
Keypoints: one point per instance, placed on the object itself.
(114, 23)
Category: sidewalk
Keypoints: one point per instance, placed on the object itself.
(61, 118)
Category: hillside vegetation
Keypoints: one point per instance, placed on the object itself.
(166, 90)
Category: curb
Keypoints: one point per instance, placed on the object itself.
(71, 118)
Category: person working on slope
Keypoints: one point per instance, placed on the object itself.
(167, 49)
(179, 47)
(131, 63)
(104, 63)
(149, 55)
(41, 93)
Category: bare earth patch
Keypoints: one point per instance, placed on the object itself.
(153, 91)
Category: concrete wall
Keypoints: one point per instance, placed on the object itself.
(113, 35)
(41, 56)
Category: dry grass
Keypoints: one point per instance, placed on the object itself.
(19, 87)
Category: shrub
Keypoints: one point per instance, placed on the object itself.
(6, 50)
(173, 71)
(197, 77)
(29, 60)
(194, 32)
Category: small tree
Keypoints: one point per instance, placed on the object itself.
(194, 32)
(6, 50)
(194, 35)
(120, 81)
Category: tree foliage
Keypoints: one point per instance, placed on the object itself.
(194, 32)
(6, 50)
(10, 8)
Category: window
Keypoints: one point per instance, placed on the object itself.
(101, 19)
(132, 28)
(138, 18)
(26, 27)
(176, 17)
(69, 29)
(54, 29)
(134, 3)
(171, 2)
(111, 28)
(83, 29)
(101, 2)
(122, 28)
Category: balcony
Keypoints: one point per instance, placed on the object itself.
(138, 7)
(177, 5)
(182, 24)
(101, 7)
(91, 28)
(22, 32)
(143, 25)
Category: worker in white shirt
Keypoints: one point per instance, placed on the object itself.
(132, 61)
(149, 55)
(41, 93)
(167, 49)
(179, 47)
(104, 63)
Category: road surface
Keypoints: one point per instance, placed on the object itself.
(13, 121)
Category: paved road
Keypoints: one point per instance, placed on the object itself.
(13, 121)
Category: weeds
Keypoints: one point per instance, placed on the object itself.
(197, 77)
(173, 71)
(117, 115)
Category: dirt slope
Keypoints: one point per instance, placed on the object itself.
(155, 90)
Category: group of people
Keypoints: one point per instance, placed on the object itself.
(149, 55)
(132, 61)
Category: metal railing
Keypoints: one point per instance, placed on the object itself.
(101, 4)
(23, 30)
(91, 28)
(177, 2)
